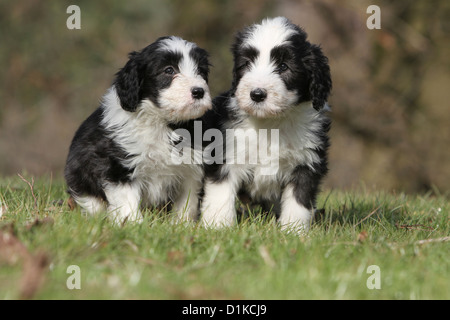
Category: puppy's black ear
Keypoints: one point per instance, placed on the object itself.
(320, 78)
(128, 83)
(237, 56)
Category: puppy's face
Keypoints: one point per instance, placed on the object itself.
(276, 69)
(172, 73)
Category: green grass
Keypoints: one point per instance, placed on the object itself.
(254, 260)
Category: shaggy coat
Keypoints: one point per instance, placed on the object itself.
(281, 83)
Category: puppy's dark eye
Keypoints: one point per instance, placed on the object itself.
(282, 67)
(169, 70)
(244, 65)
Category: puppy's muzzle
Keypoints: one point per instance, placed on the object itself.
(197, 93)
(258, 95)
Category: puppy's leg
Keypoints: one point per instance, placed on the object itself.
(186, 205)
(89, 204)
(294, 215)
(218, 205)
(299, 198)
(123, 202)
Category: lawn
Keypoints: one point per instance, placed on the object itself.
(363, 245)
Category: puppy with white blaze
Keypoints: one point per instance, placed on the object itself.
(280, 82)
(120, 157)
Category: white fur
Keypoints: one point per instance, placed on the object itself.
(297, 137)
(261, 74)
(90, 205)
(148, 141)
(187, 66)
(177, 101)
(3, 208)
(294, 217)
(123, 202)
(276, 27)
(296, 144)
(297, 125)
(218, 209)
(145, 135)
(177, 44)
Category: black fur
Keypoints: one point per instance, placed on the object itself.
(319, 74)
(308, 74)
(94, 157)
(142, 76)
(311, 76)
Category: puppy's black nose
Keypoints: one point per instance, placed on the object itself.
(197, 92)
(258, 95)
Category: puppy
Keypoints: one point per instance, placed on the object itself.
(281, 83)
(121, 156)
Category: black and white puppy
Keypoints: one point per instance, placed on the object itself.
(281, 82)
(120, 157)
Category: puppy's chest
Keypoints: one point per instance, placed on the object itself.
(266, 180)
(160, 159)
(277, 157)
(153, 156)
(159, 176)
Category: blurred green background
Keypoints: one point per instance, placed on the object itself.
(390, 98)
